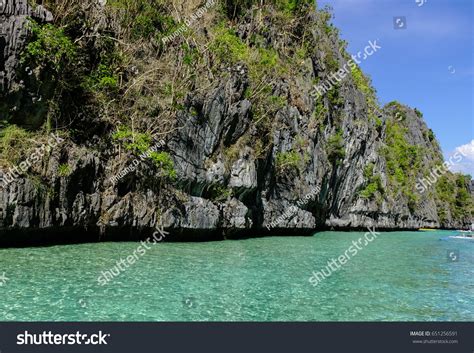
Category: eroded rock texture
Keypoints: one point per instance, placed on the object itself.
(14, 16)
(227, 184)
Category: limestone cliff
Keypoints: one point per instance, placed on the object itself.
(246, 138)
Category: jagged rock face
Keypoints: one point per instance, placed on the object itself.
(221, 117)
(15, 94)
(261, 195)
(13, 35)
(224, 186)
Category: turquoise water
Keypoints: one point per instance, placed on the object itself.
(399, 276)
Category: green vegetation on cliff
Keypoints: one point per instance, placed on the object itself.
(142, 144)
(403, 162)
(373, 184)
(453, 198)
(117, 77)
(49, 48)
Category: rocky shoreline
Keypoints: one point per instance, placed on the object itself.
(70, 236)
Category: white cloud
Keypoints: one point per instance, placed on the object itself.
(467, 149)
(466, 165)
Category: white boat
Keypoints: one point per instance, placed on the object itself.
(469, 231)
(460, 237)
(464, 234)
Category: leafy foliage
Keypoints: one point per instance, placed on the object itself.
(13, 141)
(418, 113)
(144, 18)
(103, 78)
(64, 170)
(164, 161)
(133, 141)
(49, 48)
(228, 47)
(373, 184)
(364, 84)
(288, 160)
(140, 143)
(452, 193)
(403, 161)
(218, 192)
(336, 150)
(237, 8)
(398, 110)
(293, 6)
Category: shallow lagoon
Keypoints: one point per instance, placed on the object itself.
(399, 276)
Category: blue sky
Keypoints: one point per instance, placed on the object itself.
(427, 65)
